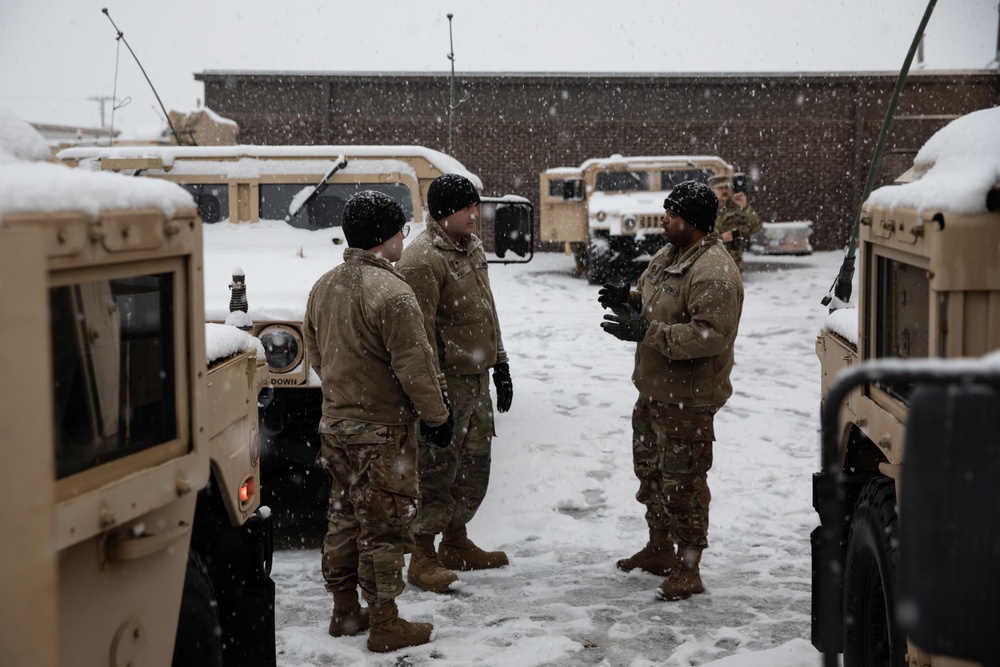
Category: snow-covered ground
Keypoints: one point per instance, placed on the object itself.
(561, 500)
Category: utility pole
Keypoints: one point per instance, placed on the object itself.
(101, 99)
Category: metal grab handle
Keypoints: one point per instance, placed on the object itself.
(132, 548)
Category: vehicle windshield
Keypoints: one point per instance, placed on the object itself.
(670, 179)
(621, 181)
(113, 369)
(326, 209)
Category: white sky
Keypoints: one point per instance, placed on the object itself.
(56, 54)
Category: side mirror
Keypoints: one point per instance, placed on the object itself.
(510, 220)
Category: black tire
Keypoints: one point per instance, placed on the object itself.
(599, 259)
(871, 634)
(199, 634)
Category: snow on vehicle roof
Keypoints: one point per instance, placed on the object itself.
(30, 182)
(293, 159)
(658, 160)
(955, 169)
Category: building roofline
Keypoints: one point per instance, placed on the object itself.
(206, 74)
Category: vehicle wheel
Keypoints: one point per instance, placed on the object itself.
(599, 259)
(871, 635)
(199, 635)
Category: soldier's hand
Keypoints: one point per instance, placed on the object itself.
(613, 295)
(439, 436)
(632, 328)
(504, 385)
(740, 199)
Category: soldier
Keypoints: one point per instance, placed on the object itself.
(736, 221)
(446, 267)
(684, 315)
(364, 330)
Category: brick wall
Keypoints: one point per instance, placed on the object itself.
(806, 140)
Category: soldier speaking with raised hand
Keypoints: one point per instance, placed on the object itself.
(683, 316)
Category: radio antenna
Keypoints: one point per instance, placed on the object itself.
(121, 37)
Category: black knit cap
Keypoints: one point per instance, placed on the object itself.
(449, 193)
(696, 203)
(371, 218)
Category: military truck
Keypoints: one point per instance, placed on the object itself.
(609, 211)
(133, 529)
(273, 218)
(927, 311)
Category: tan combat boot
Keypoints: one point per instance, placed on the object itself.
(458, 552)
(348, 617)
(425, 571)
(685, 580)
(657, 557)
(389, 632)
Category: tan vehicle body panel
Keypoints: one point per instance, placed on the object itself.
(367, 165)
(94, 563)
(957, 258)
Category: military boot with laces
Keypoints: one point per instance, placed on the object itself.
(685, 580)
(389, 632)
(657, 557)
(458, 552)
(425, 571)
(348, 617)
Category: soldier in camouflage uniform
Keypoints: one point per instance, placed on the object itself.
(736, 221)
(365, 331)
(684, 315)
(447, 269)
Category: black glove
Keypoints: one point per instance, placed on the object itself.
(737, 240)
(439, 436)
(612, 295)
(631, 328)
(504, 385)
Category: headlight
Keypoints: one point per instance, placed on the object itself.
(282, 348)
(629, 222)
(601, 215)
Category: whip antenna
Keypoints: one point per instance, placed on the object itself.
(121, 37)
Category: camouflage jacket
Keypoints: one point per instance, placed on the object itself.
(693, 303)
(365, 333)
(453, 289)
(744, 220)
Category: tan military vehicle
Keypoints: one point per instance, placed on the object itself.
(133, 531)
(609, 211)
(273, 217)
(908, 496)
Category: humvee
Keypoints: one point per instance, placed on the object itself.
(273, 218)
(133, 528)
(928, 295)
(609, 211)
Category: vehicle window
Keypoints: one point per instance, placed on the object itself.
(670, 179)
(212, 200)
(326, 209)
(568, 189)
(621, 181)
(113, 369)
(901, 312)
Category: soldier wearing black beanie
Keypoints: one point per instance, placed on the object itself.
(450, 193)
(371, 218)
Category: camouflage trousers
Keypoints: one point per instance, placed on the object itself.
(453, 479)
(671, 455)
(373, 501)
